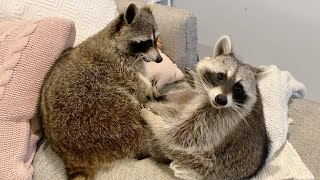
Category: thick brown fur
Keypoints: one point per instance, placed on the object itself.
(205, 140)
(91, 98)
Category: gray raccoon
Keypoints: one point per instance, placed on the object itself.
(214, 129)
(91, 98)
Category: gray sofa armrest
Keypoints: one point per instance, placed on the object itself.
(178, 31)
(304, 132)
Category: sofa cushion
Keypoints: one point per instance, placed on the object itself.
(27, 51)
(304, 132)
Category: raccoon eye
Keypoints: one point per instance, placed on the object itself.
(220, 76)
(142, 46)
(238, 88)
(239, 95)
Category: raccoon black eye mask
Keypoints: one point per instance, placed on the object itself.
(138, 46)
(142, 46)
(239, 95)
(213, 79)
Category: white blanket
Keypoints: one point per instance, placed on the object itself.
(276, 88)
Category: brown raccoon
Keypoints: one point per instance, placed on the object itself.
(214, 129)
(91, 98)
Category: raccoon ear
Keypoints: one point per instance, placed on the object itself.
(149, 6)
(132, 13)
(222, 47)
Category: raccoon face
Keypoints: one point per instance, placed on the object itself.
(138, 34)
(227, 81)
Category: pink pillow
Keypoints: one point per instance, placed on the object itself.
(27, 51)
(163, 73)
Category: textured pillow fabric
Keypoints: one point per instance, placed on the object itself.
(27, 50)
(89, 16)
(163, 73)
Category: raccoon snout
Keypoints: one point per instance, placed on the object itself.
(221, 100)
(159, 59)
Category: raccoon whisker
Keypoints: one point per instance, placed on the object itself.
(242, 117)
(199, 87)
(243, 110)
(257, 105)
(139, 59)
(255, 111)
(249, 116)
(202, 81)
(239, 105)
(205, 81)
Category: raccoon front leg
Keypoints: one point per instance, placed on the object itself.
(147, 89)
(154, 121)
(183, 172)
(150, 92)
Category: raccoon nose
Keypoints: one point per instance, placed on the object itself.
(159, 59)
(221, 100)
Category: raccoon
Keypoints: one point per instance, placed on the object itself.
(91, 98)
(213, 128)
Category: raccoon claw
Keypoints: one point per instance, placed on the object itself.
(184, 173)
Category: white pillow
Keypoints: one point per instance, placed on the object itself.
(89, 16)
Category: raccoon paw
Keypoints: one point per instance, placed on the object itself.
(146, 114)
(153, 94)
(184, 173)
(151, 119)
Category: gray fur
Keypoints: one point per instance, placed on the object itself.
(202, 139)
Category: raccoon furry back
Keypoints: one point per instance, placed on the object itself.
(91, 98)
(214, 129)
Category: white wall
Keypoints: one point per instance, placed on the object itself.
(285, 33)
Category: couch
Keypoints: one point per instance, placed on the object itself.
(179, 35)
(180, 25)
